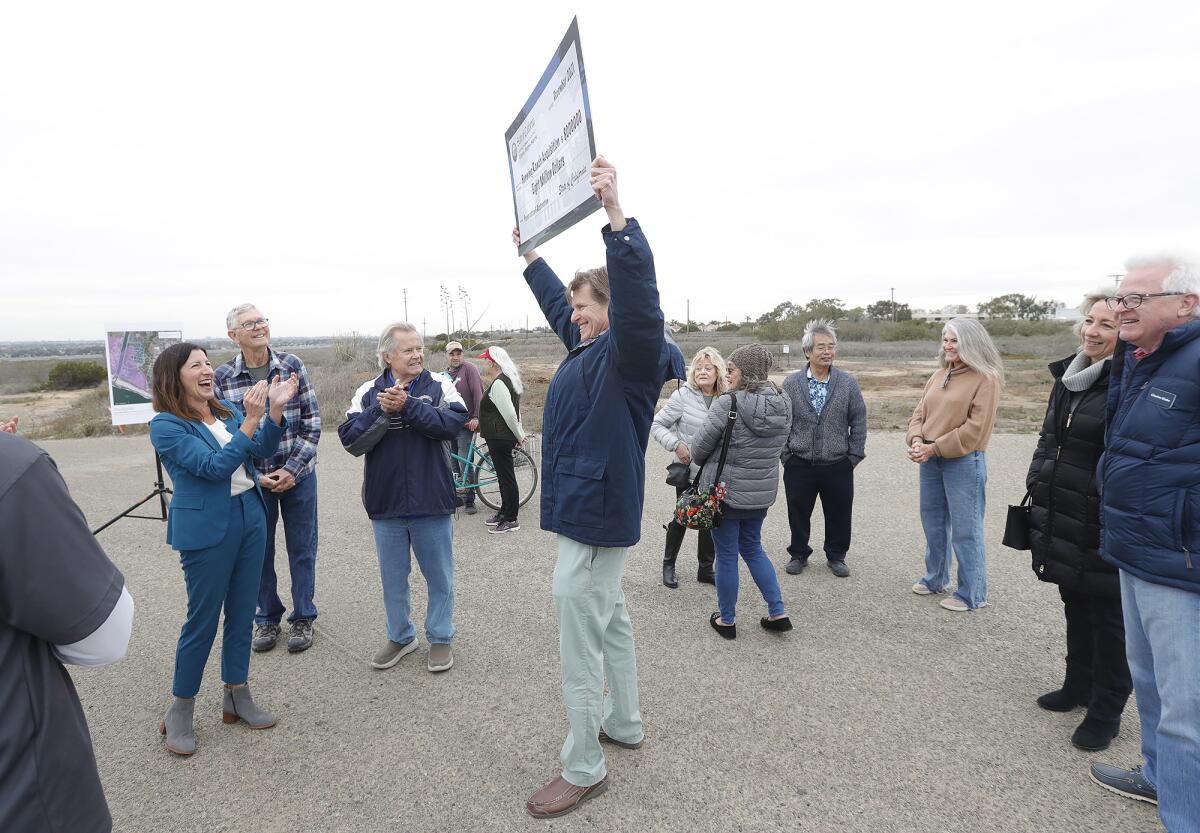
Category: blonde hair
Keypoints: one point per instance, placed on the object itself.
(710, 353)
(975, 348)
(1090, 300)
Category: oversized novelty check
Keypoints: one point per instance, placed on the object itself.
(551, 147)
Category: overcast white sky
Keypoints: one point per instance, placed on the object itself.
(165, 161)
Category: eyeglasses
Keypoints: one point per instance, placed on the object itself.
(1134, 299)
(254, 325)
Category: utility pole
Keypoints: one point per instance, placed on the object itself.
(1117, 279)
(893, 305)
(688, 329)
(405, 293)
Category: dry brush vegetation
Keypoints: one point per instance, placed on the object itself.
(891, 374)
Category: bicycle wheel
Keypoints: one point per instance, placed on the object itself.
(524, 468)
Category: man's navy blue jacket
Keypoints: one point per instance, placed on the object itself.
(601, 399)
(1150, 471)
(407, 470)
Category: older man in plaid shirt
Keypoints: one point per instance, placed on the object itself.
(288, 480)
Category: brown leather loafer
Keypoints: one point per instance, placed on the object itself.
(604, 738)
(560, 797)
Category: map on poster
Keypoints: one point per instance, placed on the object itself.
(130, 351)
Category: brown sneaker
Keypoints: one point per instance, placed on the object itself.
(560, 797)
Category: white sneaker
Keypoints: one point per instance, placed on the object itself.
(958, 605)
(923, 589)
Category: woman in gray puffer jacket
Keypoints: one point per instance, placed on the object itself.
(751, 478)
(674, 428)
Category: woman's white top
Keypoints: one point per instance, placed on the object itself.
(240, 482)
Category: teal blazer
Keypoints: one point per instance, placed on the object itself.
(201, 470)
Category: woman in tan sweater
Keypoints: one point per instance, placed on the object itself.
(948, 436)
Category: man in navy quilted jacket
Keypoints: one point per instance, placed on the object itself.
(596, 424)
(1150, 515)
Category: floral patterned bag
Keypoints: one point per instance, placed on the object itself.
(701, 508)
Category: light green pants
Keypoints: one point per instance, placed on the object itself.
(595, 643)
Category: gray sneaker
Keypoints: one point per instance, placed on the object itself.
(392, 652)
(1130, 783)
(265, 637)
(302, 636)
(441, 657)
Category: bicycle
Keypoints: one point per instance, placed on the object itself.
(478, 466)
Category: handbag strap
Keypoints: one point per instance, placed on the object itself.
(724, 443)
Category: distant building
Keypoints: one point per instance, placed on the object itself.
(941, 316)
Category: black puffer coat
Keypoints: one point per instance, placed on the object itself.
(1064, 518)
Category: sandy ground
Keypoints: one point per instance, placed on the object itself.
(37, 408)
(880, 712)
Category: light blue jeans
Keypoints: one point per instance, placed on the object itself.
(430, 538)
(744, 536)
(1162, 642)
(952, 504)
(595, 645)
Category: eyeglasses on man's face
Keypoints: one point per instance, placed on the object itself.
(254, 325)
(1134, 299)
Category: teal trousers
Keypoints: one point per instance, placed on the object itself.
(595, 643)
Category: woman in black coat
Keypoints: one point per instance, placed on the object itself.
(1064, 523)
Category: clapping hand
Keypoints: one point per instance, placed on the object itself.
(254, 403)
(9, 427)
(393, 399)
(280, 393)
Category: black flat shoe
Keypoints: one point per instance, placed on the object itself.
(669, 578)
(727, 631)
(784, 624)
(706, 576)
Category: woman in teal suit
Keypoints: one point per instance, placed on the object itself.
(217, 522)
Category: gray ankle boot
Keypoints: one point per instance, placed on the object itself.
(240, 705)
(177, 726)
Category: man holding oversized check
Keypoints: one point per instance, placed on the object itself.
(597, 419)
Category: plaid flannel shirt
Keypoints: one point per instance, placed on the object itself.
(298, 449)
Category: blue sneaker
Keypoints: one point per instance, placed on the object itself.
(1130, 783)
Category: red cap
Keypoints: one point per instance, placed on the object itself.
(486, 354)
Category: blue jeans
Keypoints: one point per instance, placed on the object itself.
(952, 504)
(298, 505)
(1162, 642)
(745, 536)
(462, 444)
(430, 539)
(223, 576)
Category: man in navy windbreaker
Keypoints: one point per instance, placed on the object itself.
(403, 421)
(596, 424)
(1150, 516)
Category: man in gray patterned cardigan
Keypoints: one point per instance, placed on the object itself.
(828, 439)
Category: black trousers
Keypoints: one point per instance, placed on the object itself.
(803, 483)
(501, 452)
(675, 532)
(1097, 672)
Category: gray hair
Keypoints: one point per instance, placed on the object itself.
(975, 348)
(387, 340)
(815, 327)
(507, 366)
(1183, 275)
(232, 317)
